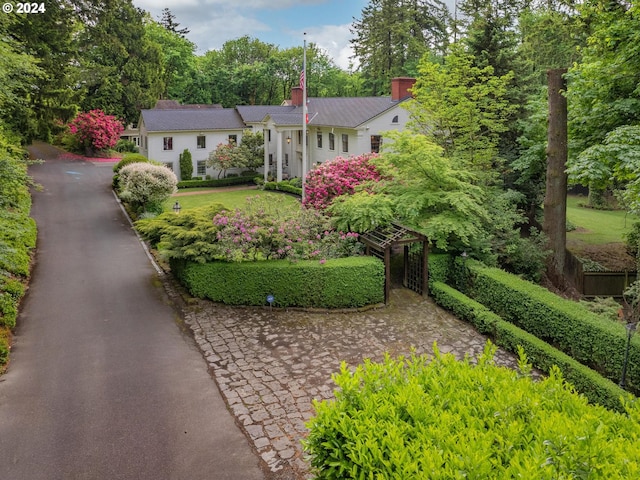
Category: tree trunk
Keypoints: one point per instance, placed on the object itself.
(555, 200)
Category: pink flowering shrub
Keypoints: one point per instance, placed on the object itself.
(96, 130)
(257, 233)
(337, 177)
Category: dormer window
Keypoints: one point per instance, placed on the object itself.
(395, 119)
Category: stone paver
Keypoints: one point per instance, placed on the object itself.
(271, 364)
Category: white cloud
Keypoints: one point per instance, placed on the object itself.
(333, 39)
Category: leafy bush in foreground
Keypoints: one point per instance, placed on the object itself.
(145, 186)
(449, 419)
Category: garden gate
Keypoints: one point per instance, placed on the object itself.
(380, 243)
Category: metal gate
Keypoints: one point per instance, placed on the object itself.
(414, 269)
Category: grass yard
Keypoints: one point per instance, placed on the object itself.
(231, 199)
(599, 235)
(597, 227)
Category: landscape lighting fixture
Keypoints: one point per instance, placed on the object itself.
(176, 208)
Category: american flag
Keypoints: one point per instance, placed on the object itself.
(302, 79)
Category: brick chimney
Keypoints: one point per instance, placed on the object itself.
(296, 96)
(400, 87)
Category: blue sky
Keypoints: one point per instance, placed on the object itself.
(280, 22)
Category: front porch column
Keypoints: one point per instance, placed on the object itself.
(266, 154)
(279, 158)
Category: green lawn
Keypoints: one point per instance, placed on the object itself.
(596, 227)
(231, 199)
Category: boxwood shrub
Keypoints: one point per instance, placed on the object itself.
(587, 337)
(284, 186)
(218, 182)
(443, 419)
(541, 355)
(338, 283)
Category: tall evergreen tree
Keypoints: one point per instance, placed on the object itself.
(122, 68)
(54, 96)
(167, 20)
(392, 36)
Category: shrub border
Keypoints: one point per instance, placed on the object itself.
(541, 355)
(249, 283)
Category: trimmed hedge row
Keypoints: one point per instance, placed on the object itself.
(283, 187)
(541, 355)
(220, 182)
(585, 336)
(339, 283)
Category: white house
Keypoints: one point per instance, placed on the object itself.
(336, 127)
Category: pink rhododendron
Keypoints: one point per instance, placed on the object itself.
(337, 177)
(96, 130)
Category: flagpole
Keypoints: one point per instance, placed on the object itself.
(304, 117)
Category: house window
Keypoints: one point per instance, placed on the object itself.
(345, 142)
(201, 141)
(169, 165)
(286, 159)
(299, 137)
(271, 159)
(319, 139)
(168, 143)
(268, 135)
(376, 141)
(395, 119)
(201, 168)
(233, 139)
(332, 141)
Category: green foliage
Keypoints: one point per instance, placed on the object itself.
(126, 146)
(289, 186)
(128, 159)
(337, 283)
(606, 307)
(461, 108)
(632, 240)
(362, 211)
(17, 237)
(121, 65)
(588, 338)
(441, 418)
(428, 192)
(392, 36)
(186, 165)
(145, 186)
(217, 182)
(188, 235)
(541, 355)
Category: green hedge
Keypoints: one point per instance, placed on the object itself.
(339, 283)
(283, 187)
(587, 337)
(541, 355)
(220, 182)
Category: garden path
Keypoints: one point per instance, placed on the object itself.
(271, 364)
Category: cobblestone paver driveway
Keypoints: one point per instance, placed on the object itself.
(271, 364)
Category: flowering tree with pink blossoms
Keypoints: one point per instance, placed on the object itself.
(95, 130)
(338, 177)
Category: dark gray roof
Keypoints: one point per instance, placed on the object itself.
(256, 113)
(349, 112)
(161, 120)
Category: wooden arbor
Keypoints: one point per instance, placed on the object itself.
(381, 242)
